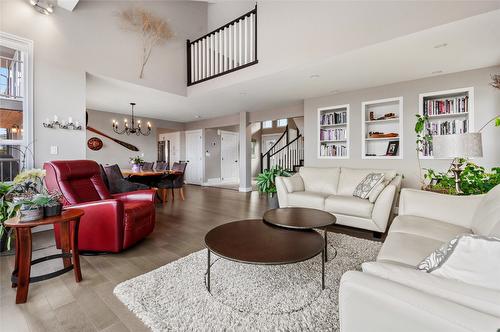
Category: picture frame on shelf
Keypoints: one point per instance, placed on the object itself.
(392, 148)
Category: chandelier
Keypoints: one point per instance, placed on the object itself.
(132, 129)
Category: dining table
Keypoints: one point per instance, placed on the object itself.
(151, 178)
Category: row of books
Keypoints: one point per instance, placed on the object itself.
(446, 106)
(333, 150)
(427, 149)
(332, 134)
(448, 127)
(333, 118)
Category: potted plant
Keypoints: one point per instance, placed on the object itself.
(28, 208)
(51, 203)
(5, 234)
(266, 184)
(136, 163)
(422, 140)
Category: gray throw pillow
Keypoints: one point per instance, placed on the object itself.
(364, 188)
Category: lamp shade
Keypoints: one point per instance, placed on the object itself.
(457, 146)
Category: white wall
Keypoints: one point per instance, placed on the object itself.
(90, 39)
(486, 106)
(223, 12)
(113, 153)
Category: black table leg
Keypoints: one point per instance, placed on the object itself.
(326, 245)
(323, 257)
(208, 269)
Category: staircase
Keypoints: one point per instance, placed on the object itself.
(287, 152)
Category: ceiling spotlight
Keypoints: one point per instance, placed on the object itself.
(334, 91)
(314, 76)
(43, 7)
(437, 72)
(197, 116)
(441, 45)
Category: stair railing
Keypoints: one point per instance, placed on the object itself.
(224, 50)
(284, 153)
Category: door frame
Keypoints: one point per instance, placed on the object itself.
(237, 178)
(201, 165)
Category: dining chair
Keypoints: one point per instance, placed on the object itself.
(147, 166)
(173, 181)
(161, 166)
(116, 183)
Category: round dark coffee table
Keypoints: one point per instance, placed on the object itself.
(300, 218)
(256, 242)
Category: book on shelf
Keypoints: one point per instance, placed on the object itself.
(333, 118)
(333, 150)
(447, 127)
(444, 106)
(332, 134)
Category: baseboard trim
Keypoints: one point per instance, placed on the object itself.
(245, 190)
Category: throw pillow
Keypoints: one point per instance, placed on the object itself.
(366, 185)
(294, 183)
(372, 197)
(469, 258)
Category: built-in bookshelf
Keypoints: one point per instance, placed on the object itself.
(333, 132)
(382, 129)
(449, 112)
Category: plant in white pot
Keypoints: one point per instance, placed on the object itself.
(266, 183)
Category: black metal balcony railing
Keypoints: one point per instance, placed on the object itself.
(224, 50)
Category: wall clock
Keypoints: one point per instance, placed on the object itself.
(94, 143)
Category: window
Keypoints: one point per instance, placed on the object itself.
(282, 122)
(267, 124)
(15, 105)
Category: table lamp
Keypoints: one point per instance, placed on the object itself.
(457, 147)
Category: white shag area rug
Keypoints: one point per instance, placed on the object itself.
(245, 297)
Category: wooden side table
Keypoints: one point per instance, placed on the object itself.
(69, 220)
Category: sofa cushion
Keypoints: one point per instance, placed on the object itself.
(321, 180)
(351, 177)
(407, 249)
(430, 228)
(293, 183)
(486, 218)
(366, 186)
(349, 205)
(308, 199)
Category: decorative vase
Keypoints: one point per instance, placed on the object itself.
(272, 201)
(52, 210)
(29, 213)
(136, 168)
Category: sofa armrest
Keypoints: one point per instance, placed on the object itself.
(138, 195)
(383, 207)
(281, 191)
(457, 210)
(371, 303)
(101, 223)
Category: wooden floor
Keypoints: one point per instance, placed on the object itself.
(60, 304)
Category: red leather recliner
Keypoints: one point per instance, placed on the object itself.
(111, 223)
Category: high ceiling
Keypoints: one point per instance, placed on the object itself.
(458, 46)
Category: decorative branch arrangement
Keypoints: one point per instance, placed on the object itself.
(495, 81)
(153, 29)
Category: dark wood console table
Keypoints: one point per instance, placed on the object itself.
(69, 221)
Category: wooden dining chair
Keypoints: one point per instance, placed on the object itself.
(173, 181)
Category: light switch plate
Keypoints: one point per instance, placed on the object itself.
(53, 149)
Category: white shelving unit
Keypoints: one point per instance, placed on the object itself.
(449, 109)
(333, 132)
(376, 148)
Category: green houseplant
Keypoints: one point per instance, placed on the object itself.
(137, 163)
(266, 183)
(421, 141)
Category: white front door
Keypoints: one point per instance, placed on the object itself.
(229, 156)
(193, 157)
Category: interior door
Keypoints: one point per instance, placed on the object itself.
(193, 157)
(229, 156)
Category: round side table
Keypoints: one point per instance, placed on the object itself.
(69, 220)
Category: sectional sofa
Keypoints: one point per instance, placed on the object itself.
(331, 189)
(391, 294)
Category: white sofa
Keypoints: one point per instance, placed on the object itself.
(392, 295)
(331, 189)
